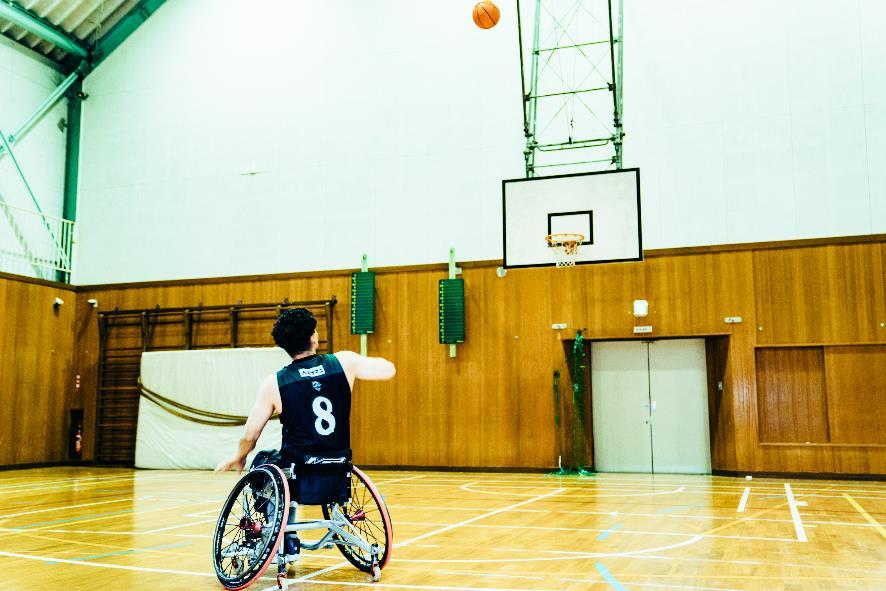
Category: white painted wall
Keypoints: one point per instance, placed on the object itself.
(26, 79)
(757, 121)
(377, 127)
(372, 126)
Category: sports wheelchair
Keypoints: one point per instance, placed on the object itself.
(261, 511)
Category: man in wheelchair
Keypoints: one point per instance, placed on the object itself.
(312, 396)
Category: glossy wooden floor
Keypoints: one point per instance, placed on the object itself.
(119, 529)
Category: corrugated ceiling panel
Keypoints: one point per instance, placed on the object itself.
(86, 20)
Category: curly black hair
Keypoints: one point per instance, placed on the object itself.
(293, 329)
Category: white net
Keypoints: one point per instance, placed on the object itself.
(565, 248)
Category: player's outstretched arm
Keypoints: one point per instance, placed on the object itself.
(366, 368)
(265, 405)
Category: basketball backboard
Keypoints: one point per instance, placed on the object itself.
(602, 206)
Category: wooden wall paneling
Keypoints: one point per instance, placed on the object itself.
(377, 441)
(85, 357)
(497, 303)
(720, 403)
(856, 393)
(825, 294)
(790, 295)
(536, 353)
(607, 293)
(856, 295)
(670, 294)
(791, 395)
(36, 357)
(689, 294)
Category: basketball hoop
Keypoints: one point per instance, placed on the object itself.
(565, 248)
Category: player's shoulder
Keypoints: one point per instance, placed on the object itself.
(269, 383)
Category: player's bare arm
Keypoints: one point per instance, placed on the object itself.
(266, 404)
(361, 367)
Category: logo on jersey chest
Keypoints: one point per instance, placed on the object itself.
(316, 386)
(312, 372)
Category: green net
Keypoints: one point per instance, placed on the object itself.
(578, 463)
(579, 449)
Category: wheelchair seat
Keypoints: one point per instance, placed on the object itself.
(314, 478)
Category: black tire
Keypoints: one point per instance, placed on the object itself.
(251, 524)
(374, 525)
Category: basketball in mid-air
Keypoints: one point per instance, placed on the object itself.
(486, 14)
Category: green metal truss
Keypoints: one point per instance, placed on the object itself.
(572, 106)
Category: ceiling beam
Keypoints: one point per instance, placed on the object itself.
(123, 29)
(32, 23)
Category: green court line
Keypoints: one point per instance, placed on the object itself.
(607, 576)
(125, 552)
(607, 532)
(70, 519)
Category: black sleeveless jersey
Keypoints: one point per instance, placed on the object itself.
(316, 399)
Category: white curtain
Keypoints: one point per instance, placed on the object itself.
(217, 380)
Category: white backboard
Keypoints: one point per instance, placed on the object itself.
(602, 206)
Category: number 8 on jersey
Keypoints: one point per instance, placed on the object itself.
(325, 421)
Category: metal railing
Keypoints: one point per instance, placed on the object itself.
(34, 244)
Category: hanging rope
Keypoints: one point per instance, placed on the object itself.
(192, 414)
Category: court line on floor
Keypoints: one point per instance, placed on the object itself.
(795, 513)
(801, 486)
(467, 488)
(594, 530)
(564, 556)
(108, 565)
(744, 499)
(478, 517)
(609, 531)
(87, 518)
(435, 532)
(4, 517)
(866, 515)
(69, 484)
(607, 577)
(126, 552)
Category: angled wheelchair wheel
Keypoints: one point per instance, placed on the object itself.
(369, 519)
(250, 527)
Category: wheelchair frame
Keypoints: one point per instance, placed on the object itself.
(337, 533)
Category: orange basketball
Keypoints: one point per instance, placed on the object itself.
(486, 14)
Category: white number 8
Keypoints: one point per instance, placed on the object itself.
(325, 422)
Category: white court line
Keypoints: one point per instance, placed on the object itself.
(620, 531)
(406, 586)
(478, 517)
(467, 488)
(45, 558)
(494, 575)
(93, 482)
(744, 499)
(562, 555)
(180, 525)
(400, 479)
(663, 585)
(795, 514)
(427, 535)
(2, 517)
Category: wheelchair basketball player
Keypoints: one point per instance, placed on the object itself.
(313, 398)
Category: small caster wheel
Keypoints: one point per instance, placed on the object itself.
(282, 583)
(375, 577)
